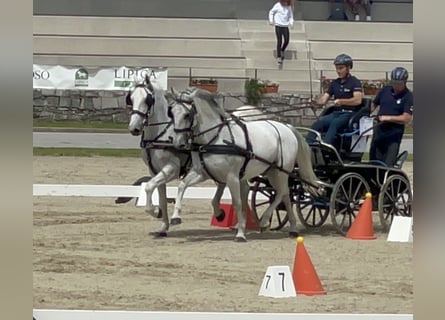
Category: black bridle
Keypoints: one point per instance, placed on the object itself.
(149, 101)
(191, 112)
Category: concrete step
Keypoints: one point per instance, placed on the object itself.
(135, 27)
(363, 31)
(269, 35)
(141, 61)
(363, 51)
(137, 46)
(299, 45)
(263, 25)
(270, 62)
(271, 54)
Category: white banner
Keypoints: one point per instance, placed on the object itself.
(87, 78)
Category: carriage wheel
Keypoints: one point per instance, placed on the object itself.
(312, 213)
(346, 198)
(395, 199)
(262, 196)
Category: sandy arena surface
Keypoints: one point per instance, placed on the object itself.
(90, 253)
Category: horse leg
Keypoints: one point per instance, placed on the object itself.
(217, 211)
(192, 178)
(282, 191)
(166, 174)
(235, 191)
(162, 191)
(278, 180)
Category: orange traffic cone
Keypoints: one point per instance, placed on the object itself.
(305, 277)
(361, 228)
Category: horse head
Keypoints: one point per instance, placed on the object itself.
(141, 100)
(182, 112)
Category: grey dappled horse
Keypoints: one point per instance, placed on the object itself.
(232, 151)
(165, 163)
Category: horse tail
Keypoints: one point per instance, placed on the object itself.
(304, 162)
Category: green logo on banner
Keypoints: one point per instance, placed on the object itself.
(81, 78)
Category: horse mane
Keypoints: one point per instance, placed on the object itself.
(206, 104)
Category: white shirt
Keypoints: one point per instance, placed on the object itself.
(281, 15)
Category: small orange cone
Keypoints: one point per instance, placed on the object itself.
(305, 277)
(361, 228)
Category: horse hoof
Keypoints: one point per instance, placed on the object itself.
(175, 221)
(155, 213)
(293, 234)
(158, 234)
(122, 200)
(240, 239)
(158, 212)
(264, 229)
(221, 215)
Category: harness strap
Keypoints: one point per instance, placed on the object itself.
(242, 125)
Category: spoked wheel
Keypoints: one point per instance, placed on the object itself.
(395, 199)
(311, 212)
(346, 198)
(263, 194)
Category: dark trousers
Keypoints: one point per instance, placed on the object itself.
(385, 145)
(282, 34)
(331, 124)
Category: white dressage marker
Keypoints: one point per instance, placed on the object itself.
(401, 229)
(277, 283)
(44, 314)
(83, 190)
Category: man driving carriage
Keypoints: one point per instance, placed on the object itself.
(347, 93)
(396, 109)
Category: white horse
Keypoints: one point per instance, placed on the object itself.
(165, 163)
(232, 151)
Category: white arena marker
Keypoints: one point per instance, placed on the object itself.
(277, 283)
(85, 190)
(48, 314)
(401, 229)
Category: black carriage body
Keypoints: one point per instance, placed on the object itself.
(347, 179)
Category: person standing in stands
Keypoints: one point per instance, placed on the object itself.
(396, 109)
(281, 16)
(347, 93)
(366, 4)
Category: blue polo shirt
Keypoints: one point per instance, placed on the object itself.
(344, 89)
(393, 104)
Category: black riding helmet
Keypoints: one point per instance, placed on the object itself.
(399, 74)
(343, 59)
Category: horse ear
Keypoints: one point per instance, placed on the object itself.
(174, 92)
(169, 96)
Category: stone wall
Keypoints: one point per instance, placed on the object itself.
(81, 105)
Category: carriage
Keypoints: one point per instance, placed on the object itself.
(347, 177)
(329, 179)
